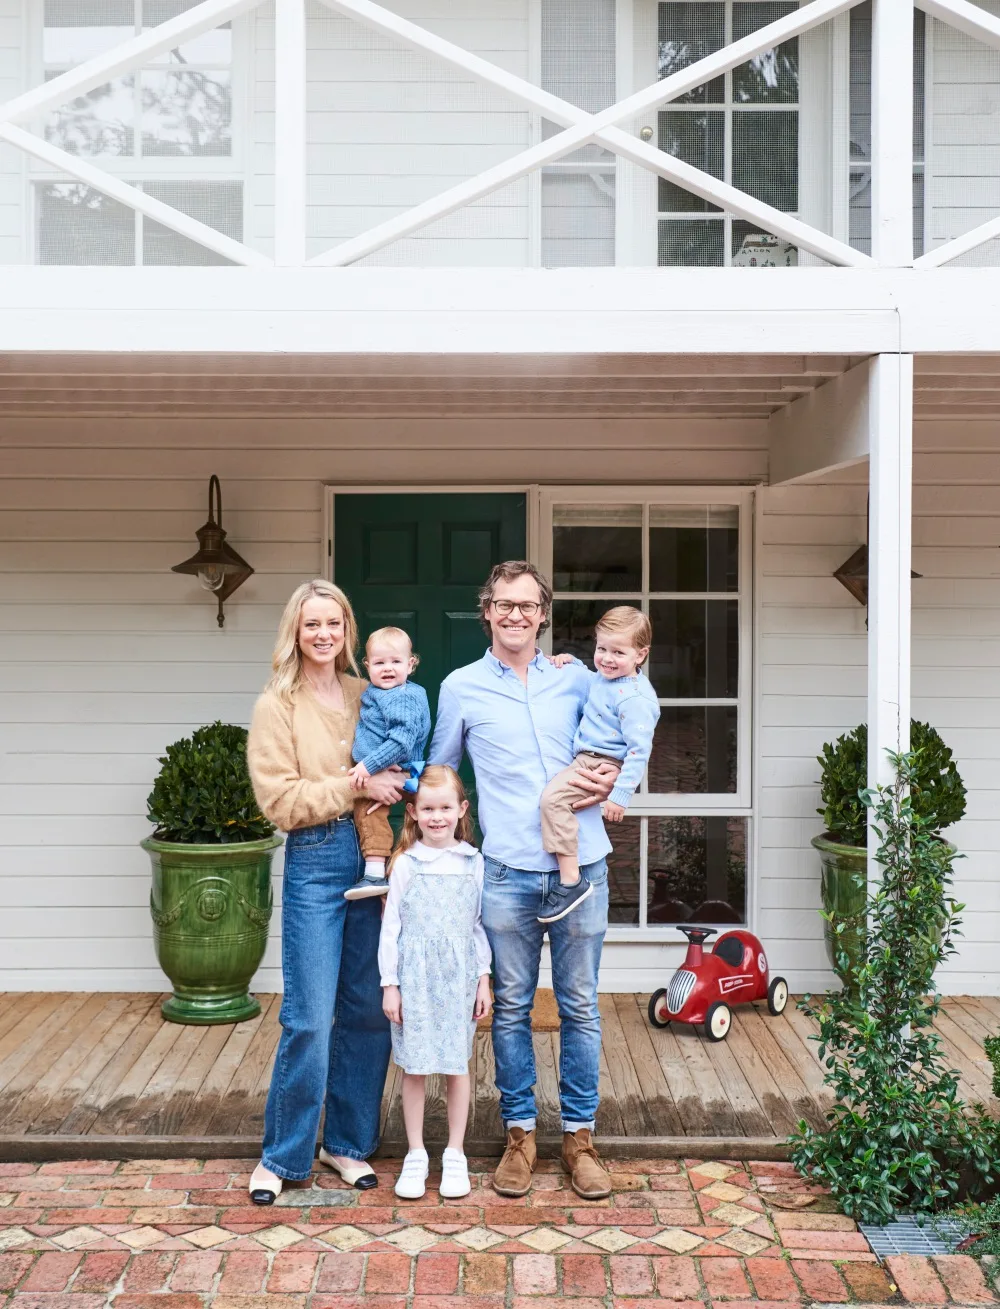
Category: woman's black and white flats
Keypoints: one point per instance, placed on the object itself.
(355, 1172)
(265, 1186)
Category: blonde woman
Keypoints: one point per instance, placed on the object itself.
(334, 1047)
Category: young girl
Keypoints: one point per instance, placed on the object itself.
(434, 959)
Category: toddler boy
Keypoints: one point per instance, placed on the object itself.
(617, 726)
(393, 728)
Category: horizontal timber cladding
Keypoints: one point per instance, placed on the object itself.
(106, 656)
(812, 650)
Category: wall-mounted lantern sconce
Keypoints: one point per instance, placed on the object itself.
(217, 566)
(853, 574)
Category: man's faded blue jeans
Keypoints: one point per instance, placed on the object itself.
(512, 900)
(334, 1046)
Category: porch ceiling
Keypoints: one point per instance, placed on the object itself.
(428, 386)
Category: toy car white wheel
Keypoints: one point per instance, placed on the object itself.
(777, 996)
(658, 1015)
(718, 1021)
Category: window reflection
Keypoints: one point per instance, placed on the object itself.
(595, 549)
(695, 652)
(693, 548)
(697, 870)
(573, 623)
(623, 871)
(694, 750)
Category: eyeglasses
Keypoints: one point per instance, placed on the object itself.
(526, 608)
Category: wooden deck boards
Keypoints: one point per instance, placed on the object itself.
(100, 1075)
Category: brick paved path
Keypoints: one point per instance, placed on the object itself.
(181, 1234)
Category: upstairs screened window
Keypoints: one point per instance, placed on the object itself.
(168, 128)
(682, 558)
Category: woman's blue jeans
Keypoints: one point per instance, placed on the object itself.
(334, 1045)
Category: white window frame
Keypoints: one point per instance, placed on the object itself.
(644, 806)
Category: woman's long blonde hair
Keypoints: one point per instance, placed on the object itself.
(287, 658)
(434, 775)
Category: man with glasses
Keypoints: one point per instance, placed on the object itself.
(515, 714)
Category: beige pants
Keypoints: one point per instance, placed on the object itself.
(374, 831)
(560, 828)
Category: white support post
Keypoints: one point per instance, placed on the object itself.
(890, 497)
(290, 133)
(892, 132)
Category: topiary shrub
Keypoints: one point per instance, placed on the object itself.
(202, 794)
(938, 792)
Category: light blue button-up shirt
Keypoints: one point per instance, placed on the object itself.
(518, 737)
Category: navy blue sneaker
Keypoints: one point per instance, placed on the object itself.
(562, 900)
(368, 886)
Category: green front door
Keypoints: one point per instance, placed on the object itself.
(418, 562)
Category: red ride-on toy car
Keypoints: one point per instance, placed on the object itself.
(706, 985)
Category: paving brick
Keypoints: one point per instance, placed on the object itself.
(810, 1222)
(437, 1274)
(485, 1274)
(52, 1272)
(631, 1275)
(724, 1279)
(839, 1242)
(293, 1270)
(107, 1182)
(534, 1274)
(256, 1302)
(17, 1170)
(963, 1278)
(340, 1273)
(13, 1266)
(583, 1274)
(78, 1217)
(360, 1302)
(916, 1278)
(196, 1271)
(820, 1280)
(772, 1279)
(59, 1300)
(868, 1283)
(243, 1273)
(387, 1272)
(74, 1167)
(658, 1304)
(169, 1301)
(676, 1277)
(149, 1272)
(100, 1271)
(166, 1166)
(52, 1199)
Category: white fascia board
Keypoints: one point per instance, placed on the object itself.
(825, 430)
(468, 310)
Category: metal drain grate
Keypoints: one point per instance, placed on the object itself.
(906, 1236)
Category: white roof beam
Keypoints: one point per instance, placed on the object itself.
(825, 430)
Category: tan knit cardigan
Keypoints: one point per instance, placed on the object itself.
(299, 756)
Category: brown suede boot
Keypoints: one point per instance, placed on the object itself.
(588, 1175)
(513, 1174)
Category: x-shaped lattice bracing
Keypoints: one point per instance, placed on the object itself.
(580, 127)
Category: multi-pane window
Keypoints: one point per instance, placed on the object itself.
(681, 853)
(166, 127)
(741, 127)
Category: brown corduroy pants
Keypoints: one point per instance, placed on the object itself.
(374, 831)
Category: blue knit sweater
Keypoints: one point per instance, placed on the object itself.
(394, 725)
(619, 719)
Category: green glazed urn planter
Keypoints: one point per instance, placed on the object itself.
(211, 908)
(842, 897)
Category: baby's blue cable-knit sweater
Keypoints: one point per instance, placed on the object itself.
(619, 719)
(393, 728)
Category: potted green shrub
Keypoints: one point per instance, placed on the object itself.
(211, 895)
(938, 796)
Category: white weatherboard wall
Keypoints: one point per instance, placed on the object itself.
(106, 656)
(813, 652)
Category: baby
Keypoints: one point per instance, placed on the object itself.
(617, 726)
(393, 729)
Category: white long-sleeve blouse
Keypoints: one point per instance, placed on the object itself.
(446, 863)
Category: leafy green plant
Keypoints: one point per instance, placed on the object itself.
(898, 1136)
(982, 1223)
(937, 789)
(992, 1047)
(202, 794)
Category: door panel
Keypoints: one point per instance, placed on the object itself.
(418, 562)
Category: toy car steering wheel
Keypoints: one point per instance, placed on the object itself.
(697, 935)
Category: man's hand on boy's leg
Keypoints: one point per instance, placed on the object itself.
(595, 781)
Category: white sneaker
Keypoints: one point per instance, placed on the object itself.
(454, 1175)
(410, 1185)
